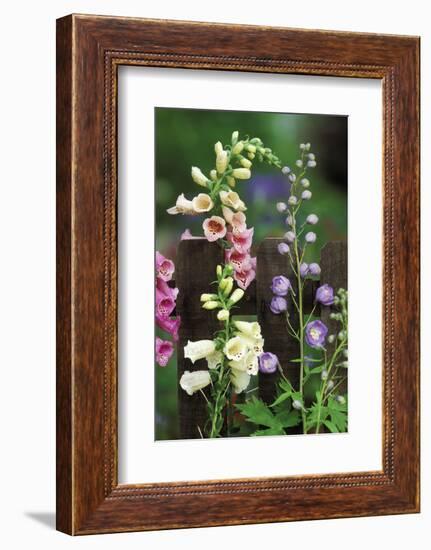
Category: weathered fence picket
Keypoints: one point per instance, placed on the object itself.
(196, 264)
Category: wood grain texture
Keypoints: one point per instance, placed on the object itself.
(90, 49)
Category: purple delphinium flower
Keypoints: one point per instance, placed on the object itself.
(280, 285)
(304, 269)
(325, 295)
(268, 362)
(278, 305)
(312, 219)
(315, 333)
(314, 269)
(283, 248)
(310, 237)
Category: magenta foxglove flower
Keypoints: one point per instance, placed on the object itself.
(244, 278)
(325, 295)
(214, 228)
(165, 305)
(164, 351)
(165, 289)
(315, 333)
(169, 325)
(240, 261)
(241, 241)
(283, 248)
(304, 269)
(278, 305)
(164, 267)
(268, 362)
(314, 269)
(280, 285)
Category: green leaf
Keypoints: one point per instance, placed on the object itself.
(269, 431)
(285, 385)
(331, 427)
(281, 398)
(258, 412)
(309, 360)
(288, 419)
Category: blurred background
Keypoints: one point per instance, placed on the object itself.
(186, 138)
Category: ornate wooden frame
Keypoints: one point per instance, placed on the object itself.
(89, 51)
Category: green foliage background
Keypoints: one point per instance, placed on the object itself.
(186, 137)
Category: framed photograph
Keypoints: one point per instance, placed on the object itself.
(237, 274)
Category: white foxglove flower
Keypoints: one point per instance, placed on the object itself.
(202, 203)
(223, 315)
(198, 177)
(198, 350)
(252, 344)
(248, 329)
(182, 206)
(215, 360)
(221, 162)
(241, 173)
(235, 348)
(240, 380)
(232, 199)
(191, 382)
(249, 364)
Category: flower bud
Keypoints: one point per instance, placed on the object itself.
(299, 163)
(341, 399)
(324, 375)
(330, 384)
(236, 150)
(228, 269)
(281, 206)
(231, 181)
(289, 220)
(305, 183)
(213, 175)
(221, 162)
(293, 201)
(306, 195)
(341, 335)
(212, 304)
(228, 287)
(346, 353)
(307, 146)
(296, 404)
(250, 148)
(208, 297)
(285, 170)
(237, 294)
(241, 173)
(304, 269)
(302, 146)
(218, 148)
(310, 237)
(289, 236)
(219, 271)
(312, 219)
(245, 163)
(292, 177)
(331, 338)
(235, 136)
(223, 315)
(311, 156)
(283, 248)
(311, 164)
(198, 177)
(314, 269)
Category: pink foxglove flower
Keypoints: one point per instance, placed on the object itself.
(167, 290)
(241, 241)
(165, 305)
(236, 219)
(240, 261)
(214, 228)
(164, 267)
(169, 325)
(164, 351)
(244, 278)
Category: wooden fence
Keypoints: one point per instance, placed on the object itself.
(195, 270)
